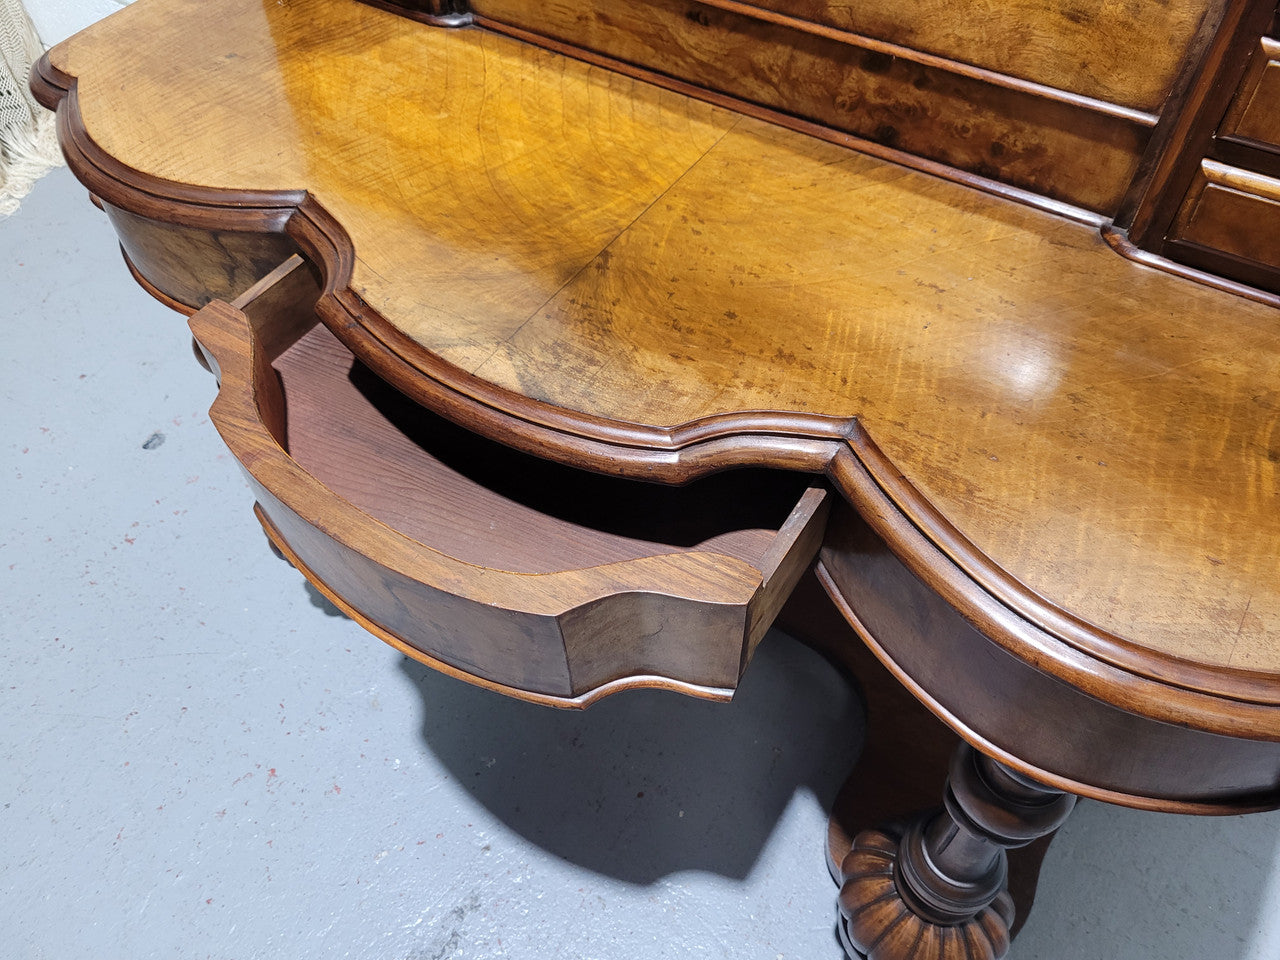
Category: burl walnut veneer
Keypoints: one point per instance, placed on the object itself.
(560, 339)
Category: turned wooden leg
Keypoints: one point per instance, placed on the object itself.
(935, 888)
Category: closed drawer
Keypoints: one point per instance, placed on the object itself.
(1254, 115)
(541, 580)
(1229, 223)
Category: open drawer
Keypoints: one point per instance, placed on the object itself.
(544, 581)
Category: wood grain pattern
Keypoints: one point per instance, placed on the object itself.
(1255, 112)
(1055, 403)
(618, 144)
(1027, 383)
(718, 290)
(191, 265)
(524, 574)
(1057, 147)
(1234, 211)
(1118, 52)
(581, 701)
(1186, 134)
(1046, 728)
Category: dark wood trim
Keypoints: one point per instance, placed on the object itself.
(676, 454)
(49, 84)
(264, 211)
(178, 306)
(1162, 142)
(871, 148)
(1251, 686)
(1119, 241)
(1261, 275)
(1221, 700)
(1249, 803)
(981, 74)
(1250, 154)
(1194, 116)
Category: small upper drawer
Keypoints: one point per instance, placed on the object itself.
(544, 581)
(1254, 115)
(1230, 223)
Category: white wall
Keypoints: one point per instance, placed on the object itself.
(58, 19)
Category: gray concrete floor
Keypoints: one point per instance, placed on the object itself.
(200, 758)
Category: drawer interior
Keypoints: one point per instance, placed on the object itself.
(539, 580)
(486, 504)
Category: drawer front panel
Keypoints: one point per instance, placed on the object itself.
(1255, 114)
(1235, 222)
(529, 577)
(1230, 224)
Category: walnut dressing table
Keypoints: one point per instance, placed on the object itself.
(559, 341)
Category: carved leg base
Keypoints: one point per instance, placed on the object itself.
(943, 885)
(955, 897)
(937, 889)
(876, 922)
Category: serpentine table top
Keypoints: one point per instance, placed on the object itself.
(626, 278)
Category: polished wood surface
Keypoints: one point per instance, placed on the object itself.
(1054, 142)
(905, 754)
(463, 145)
(1116, 748)
(1088, 47)
(1255, 112)
(1236, 212)
(621, 253)
(535, 253)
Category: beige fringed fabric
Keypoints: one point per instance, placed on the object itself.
(28, 146)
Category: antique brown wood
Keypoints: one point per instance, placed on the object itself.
(1081, 47)
(1181, 141)
(662, 240)
(1198, 206)
(1253, 119)
(1069, 146)
(1049, 728)
(1231, 216)
(906, 755)
(524, 574)
(937, 886)
(951, 430)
